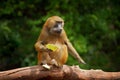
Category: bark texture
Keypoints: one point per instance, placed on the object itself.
(64, 73)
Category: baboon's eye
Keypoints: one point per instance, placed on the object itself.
(56, 25)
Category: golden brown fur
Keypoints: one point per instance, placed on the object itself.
(48, 36)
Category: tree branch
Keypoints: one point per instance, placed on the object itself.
(64, 73)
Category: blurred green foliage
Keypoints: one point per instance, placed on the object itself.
(92, 26)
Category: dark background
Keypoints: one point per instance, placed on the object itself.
(93, 27)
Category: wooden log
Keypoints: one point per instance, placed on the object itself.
(64, 73)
